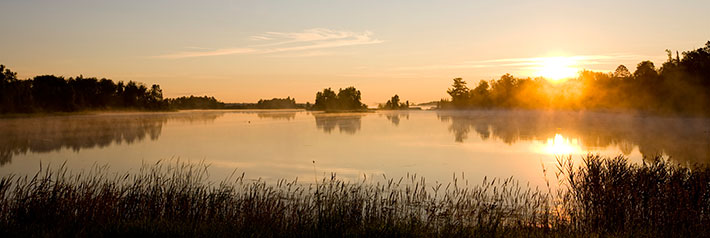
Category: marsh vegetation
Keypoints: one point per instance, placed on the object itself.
(600, 196)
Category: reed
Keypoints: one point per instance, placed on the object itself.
(600, 197)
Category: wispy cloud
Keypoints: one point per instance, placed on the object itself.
(303, 54)
(376, 75)
(276, 42)
(530, 63)
(202, 53)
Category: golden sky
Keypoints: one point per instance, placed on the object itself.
(242, 51)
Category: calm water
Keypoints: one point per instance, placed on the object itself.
(284, 144)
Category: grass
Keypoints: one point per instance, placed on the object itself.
(600, 197)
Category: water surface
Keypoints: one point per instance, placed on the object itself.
(273, 144)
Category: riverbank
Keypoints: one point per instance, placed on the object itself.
(600, 197)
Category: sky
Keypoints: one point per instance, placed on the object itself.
(243, 51)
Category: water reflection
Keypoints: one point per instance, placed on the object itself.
(395, 116)
(560, 145)
(348, 123)
(407, 135)
(46, 134)
(684, 139)
(277, 115)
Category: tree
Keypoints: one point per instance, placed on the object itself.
(349, 99)
(277, 103)
(622, 72)
(503, 90)
(107, 93)
(325, 100)
(346, 99)
(395, 104)
(8, 90)
(49, 93)
(645, 71)
(395, 101)
(193, 102)
(52, 93)
(6, 75)
(480, 96)
(696, 64)
(154, 98)
(459, 93)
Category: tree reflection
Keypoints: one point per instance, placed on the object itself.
(346, 122)
(395, 116)
(683, 139)
(47, 134)
(277, 115)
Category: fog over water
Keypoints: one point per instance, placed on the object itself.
(274, 144)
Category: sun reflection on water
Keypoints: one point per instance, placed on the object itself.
(560, 145)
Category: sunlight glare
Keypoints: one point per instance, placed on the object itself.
(557, 68)
(559, 145)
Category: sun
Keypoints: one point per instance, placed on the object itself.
(557, 68)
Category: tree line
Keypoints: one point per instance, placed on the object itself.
(194, 102)
(274, 103)
(680, 85)
(49, 93)
(277, 103)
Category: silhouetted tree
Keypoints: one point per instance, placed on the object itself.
(346, 99)
(622, 72)
(394, 104)
(15, 95)
(326, 100)
(459, 93)
(52, 93)
(503, 90)
(480, 96)
(349, 99)
(194, 102)
(277, 103)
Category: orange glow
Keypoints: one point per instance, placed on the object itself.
(559, 145)
(557, 68)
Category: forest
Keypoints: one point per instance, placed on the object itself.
(49, 93)
(680, 86)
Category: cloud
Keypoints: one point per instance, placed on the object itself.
(310, 35)
(382, 75)
(530, 63)
(202, 53)
(277, 42)
(303, 54)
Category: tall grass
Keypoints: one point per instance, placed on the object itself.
(600, 197)
(612, 196)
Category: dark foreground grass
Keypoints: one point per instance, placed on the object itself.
(600, 197)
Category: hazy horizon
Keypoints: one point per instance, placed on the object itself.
(249, 50)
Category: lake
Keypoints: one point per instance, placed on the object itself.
(273, 144)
